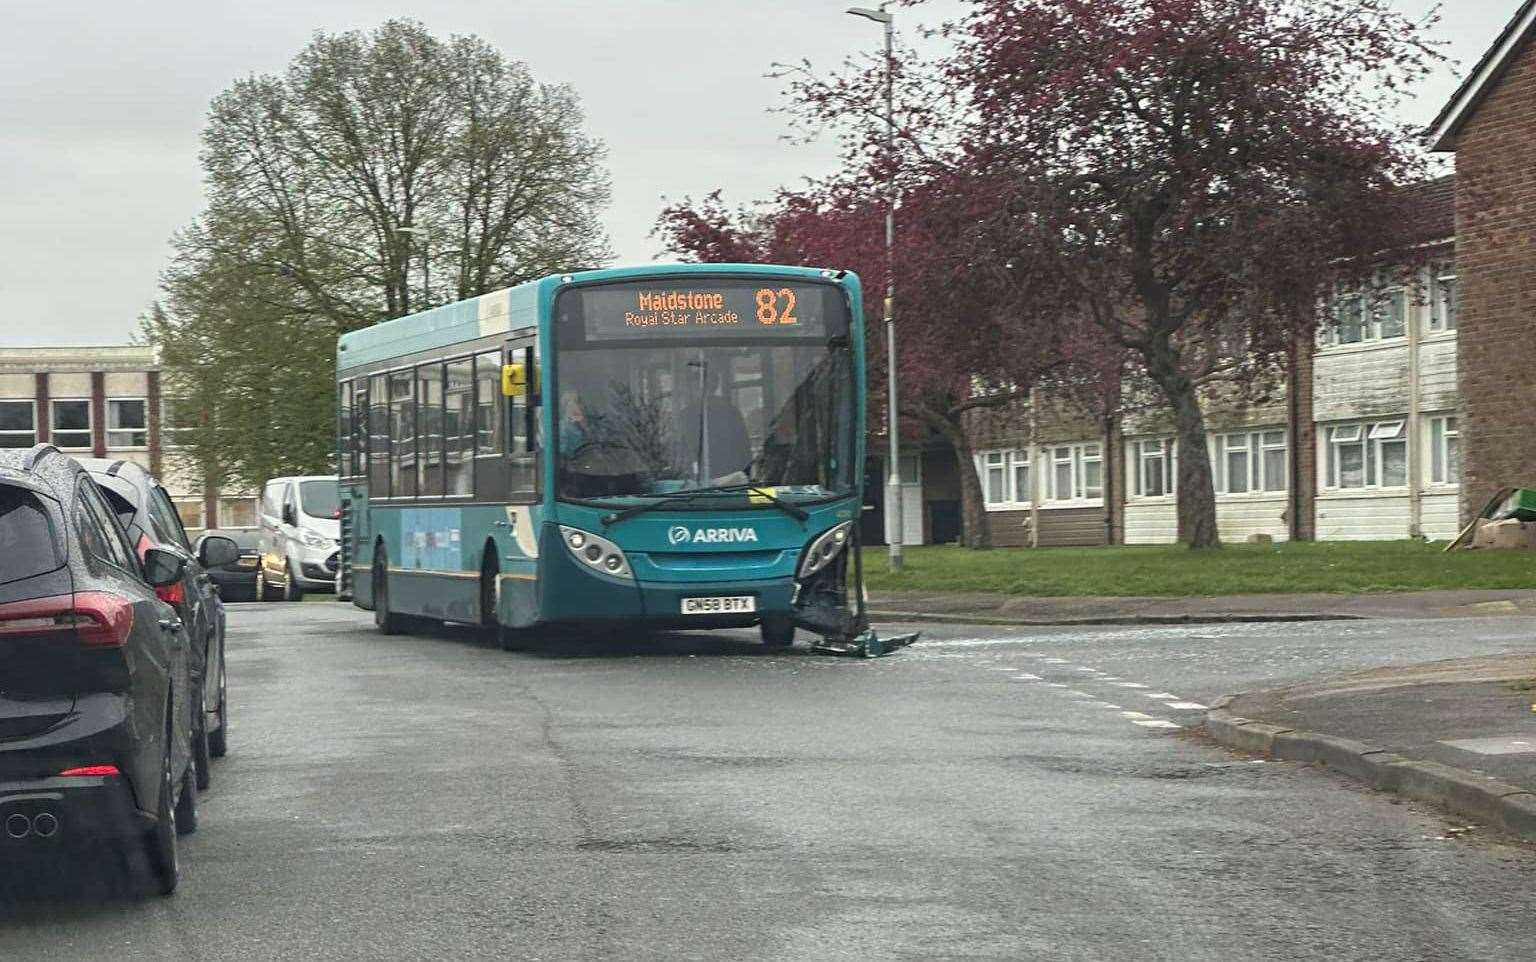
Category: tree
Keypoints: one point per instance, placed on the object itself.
(1190, 176)
(335, 190)
(967, 343)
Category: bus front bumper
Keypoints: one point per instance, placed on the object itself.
(665, 602)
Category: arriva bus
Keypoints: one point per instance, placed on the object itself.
(657, 448)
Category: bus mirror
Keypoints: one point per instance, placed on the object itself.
(514, 380)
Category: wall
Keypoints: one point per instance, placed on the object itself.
(1496, 264)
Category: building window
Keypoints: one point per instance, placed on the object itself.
(1367, 456)
(71, 422)
(233, 513)
(191, 512)
(18, 425)
(1442, 315)
(127, 423)
(1358, 318)
(1077, 473)
(1005, 477)
(1444, 450)
(1152, 468)
(1250, 462)
(177, 422)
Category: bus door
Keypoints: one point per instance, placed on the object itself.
(521, 386)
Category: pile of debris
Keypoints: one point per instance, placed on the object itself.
(1507, 521)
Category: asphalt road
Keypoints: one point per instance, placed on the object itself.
(697, 797)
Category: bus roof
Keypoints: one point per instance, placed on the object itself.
(509, 309)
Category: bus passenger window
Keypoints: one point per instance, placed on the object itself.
(429, 431)
(459, 428)
(521, 433)
(344, 449)
(488, 403)
(378, 437)
(402, 433)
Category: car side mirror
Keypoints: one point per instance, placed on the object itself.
(163, 568)
(290, 516)
(216, 551)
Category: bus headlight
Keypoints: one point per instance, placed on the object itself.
(596, 553)
(825, 548)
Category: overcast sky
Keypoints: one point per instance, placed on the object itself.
(102, 101)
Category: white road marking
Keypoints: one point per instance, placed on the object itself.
(1164, 695)
(1052, 684)
(1056, 661)
(1129, 684)
(1105, 704)
(1094, 671)
(1155, 723)
(1078, 694)
(995, 668)
(1185, 705)
(1134, 715)
(1025, 676)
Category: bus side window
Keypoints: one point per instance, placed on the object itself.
(459, 427)
(522, 449)
(402, 434)
(344, 415)
(490, 479)
(378, 437)
(359, 429)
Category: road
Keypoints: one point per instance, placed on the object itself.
(697, 797)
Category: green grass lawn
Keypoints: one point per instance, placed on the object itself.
(1171, 570)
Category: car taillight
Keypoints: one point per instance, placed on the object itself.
(175, 594)
(98, 619)
(89, 770)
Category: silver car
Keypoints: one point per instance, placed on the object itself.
(300, 537)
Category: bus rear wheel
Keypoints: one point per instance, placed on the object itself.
(385, 620)
(778, 632)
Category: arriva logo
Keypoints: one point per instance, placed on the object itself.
(681, 534)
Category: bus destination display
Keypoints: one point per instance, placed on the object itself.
(729, 309)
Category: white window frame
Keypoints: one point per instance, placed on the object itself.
(1257, 444)
(14, 434)
(1443, 311)
(1374, 307)
(112, 443)
(90, 424)
(1439, 430)
(1008, 461)
(1371, 437)
(1144, 450)
(1076, 456)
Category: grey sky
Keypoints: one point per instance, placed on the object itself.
(102, 101)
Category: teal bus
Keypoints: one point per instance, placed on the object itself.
(664, 447)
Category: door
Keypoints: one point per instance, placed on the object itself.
(911, 501)
(872, 515)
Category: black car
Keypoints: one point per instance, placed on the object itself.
(96, 688)
(150, 518)
(236, 581)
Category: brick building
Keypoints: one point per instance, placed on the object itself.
(1490, 125)
(106, 402)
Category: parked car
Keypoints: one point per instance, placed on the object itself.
(97, 694)
(236, 581)
(150, 519)
(300, 537)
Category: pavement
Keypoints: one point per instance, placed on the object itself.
(1003, 609)
(996, 792)
(1457, 733)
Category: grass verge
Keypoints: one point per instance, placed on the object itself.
(1334, 566)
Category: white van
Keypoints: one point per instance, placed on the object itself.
(300, 537)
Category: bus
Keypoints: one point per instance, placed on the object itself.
(665, 447)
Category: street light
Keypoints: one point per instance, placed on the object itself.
(426, 260)
(893, 420)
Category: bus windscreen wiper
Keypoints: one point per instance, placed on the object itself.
(680, 497)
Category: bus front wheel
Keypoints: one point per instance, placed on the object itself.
(778, 632)
(510, 639)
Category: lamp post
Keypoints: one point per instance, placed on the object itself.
(893, 419)
(426, 260)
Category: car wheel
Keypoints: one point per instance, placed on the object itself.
(778, 632)
(291, 590)
(218, 739)
(186, 803)
(263, 591)
(201, 767)
(160, 841)
(385, 620)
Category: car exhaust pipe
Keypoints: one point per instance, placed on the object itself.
(18, 826)
(45, 825)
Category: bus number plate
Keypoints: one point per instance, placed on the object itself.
(728, 605)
